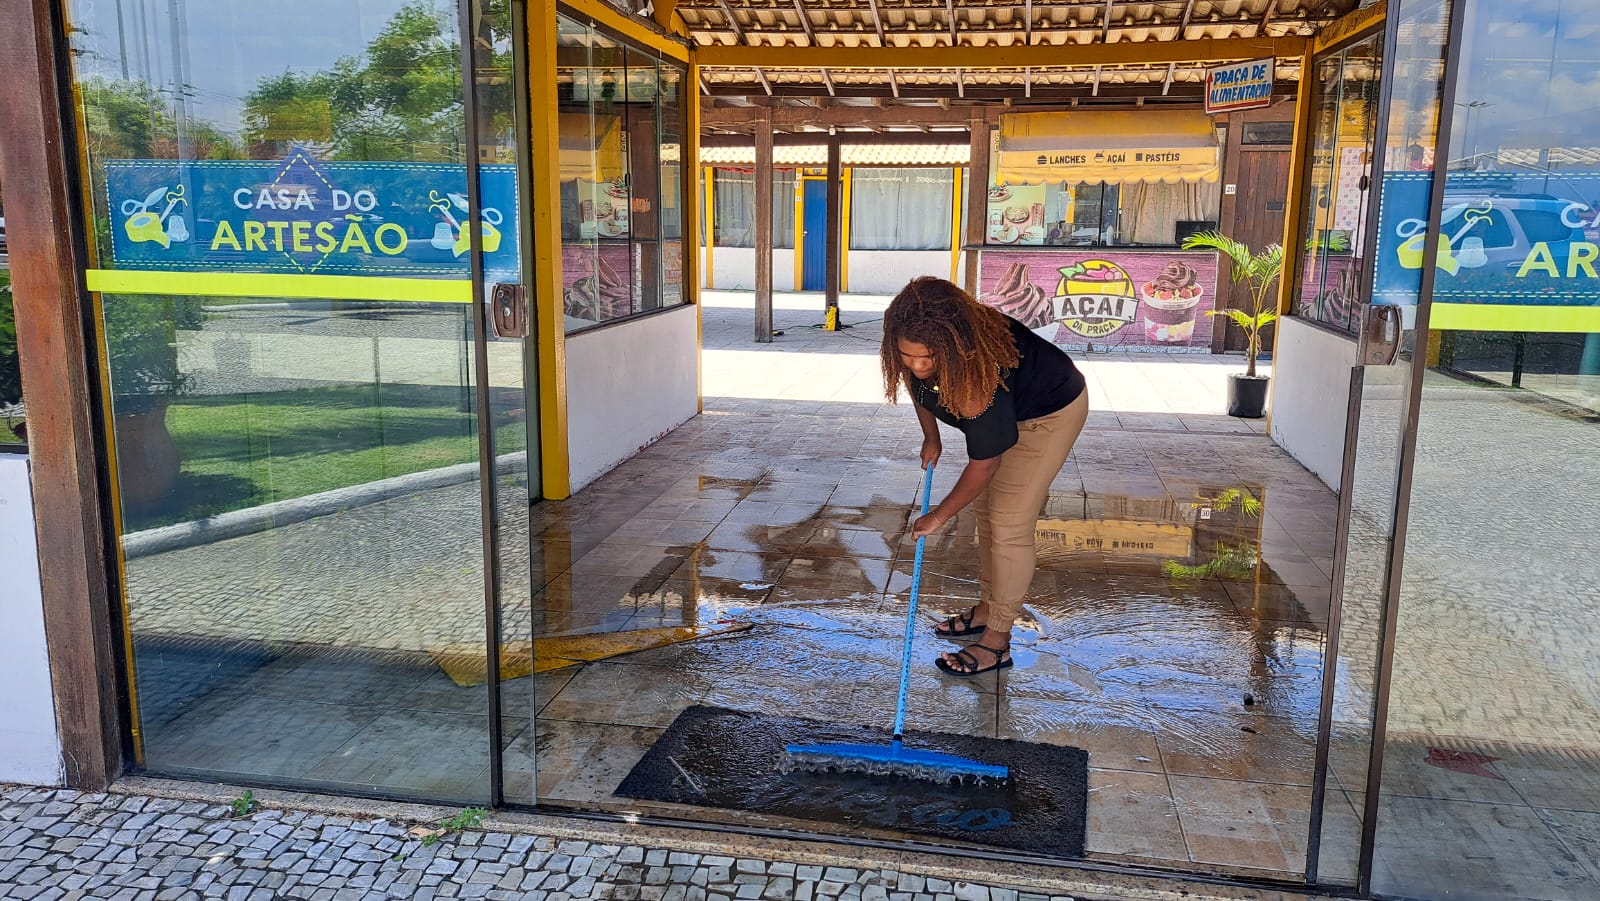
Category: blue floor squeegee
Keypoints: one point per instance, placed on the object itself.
(895, 759)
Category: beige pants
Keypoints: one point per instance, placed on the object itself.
(1008, 510)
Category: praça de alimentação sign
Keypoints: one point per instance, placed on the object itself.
(1240, 86)
(304, 216)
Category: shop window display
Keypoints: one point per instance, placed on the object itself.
(621, 120)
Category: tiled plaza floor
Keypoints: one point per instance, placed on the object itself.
(1175, 628)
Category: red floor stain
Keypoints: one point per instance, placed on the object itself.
(1463, 762)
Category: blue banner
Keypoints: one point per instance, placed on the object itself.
(1529, 239)
(305, 216)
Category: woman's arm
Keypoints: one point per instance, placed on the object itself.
(932, 447)
(973, 480)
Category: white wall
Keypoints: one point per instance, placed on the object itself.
(871, 271)
(1311, 395)
(627, 386)
(30, 749)
(887, 271)
(734, 269)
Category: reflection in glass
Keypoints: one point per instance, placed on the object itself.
(1336, 211)
(299, 501)
(13, 422)
(512, 393)
(614, 101)
(1494, 715)
(1373, 465)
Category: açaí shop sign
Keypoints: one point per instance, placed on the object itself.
(1152, 300)
(1516, 251)
(304, 216)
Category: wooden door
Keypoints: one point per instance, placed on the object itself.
(1254, 202)
(1259, 209)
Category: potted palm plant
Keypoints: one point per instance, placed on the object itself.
(1247, 393)
(142, 349)
(11, 422)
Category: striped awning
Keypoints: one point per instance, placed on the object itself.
(1107, 146)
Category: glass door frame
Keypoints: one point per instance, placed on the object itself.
(1416, 367)
(1450, 60)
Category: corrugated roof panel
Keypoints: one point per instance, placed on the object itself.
(995, 23)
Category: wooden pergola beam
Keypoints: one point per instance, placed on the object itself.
(1352, 25)
(846, 138)
(1042, 56)
(1267, 17)
(633, 28)
(1180, 93)
(877, 20)
(662, 11)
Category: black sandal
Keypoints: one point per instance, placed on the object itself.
(1002, 660)
(965, 629)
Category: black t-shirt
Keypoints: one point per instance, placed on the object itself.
(1044, 382)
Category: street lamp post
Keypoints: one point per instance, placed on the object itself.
(1470, 130)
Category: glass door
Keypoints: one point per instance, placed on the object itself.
(1371, 282)
(505, 369)
(301, 397)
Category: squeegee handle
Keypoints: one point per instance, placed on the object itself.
(911, 614)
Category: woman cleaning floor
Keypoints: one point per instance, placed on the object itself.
(1020, 402)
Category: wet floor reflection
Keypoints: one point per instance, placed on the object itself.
(1174, 631)
(1175, 634)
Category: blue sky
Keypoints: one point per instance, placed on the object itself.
(232, 43)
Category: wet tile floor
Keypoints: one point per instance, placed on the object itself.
(1175, 629)
(1162, 632)
(300, 655)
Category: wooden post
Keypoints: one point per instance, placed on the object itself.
(764, 227)
(835, 240)
(47, 289)
(1299, 165)
(977, 196)
(1294, 213)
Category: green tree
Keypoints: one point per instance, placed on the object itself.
(10, 371)
(399, 100)
(124, 119)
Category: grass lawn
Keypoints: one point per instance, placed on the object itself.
(242, 451)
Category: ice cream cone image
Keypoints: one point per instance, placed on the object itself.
(1018, 297)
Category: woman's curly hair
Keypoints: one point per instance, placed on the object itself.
(971, 344)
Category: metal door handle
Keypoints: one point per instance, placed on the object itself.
(1380, 334)
(510, 304)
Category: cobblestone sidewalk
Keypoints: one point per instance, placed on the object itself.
(58, 844)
